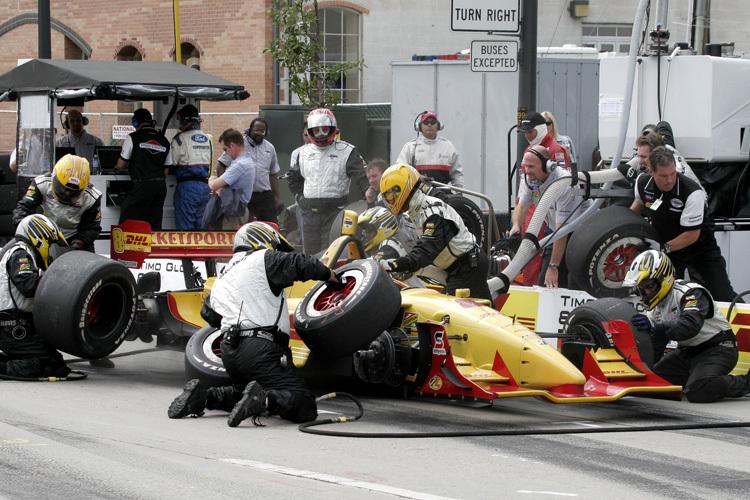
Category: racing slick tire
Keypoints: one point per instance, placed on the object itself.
(585, 321)
(203, 358)
(472, 216)
(335, 321)
(600, 252)
(85, 304)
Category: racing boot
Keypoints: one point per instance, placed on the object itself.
(192, 401)
(252, 404)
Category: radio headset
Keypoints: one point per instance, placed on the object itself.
(418, 121)
(66, 125)
(548, 165)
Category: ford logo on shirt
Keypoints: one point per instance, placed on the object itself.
(199, 138)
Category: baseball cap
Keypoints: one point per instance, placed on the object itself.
(428, 114)
(530, 121)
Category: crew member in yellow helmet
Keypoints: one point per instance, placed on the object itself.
(68, 199)
(444, 240)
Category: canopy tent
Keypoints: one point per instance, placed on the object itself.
(72, 82)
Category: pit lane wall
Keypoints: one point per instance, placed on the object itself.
(545, 311)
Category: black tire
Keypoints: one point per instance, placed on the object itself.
(472, 216)
(203, 358)
(600, 252)
(335, 322)
(585, 321)
(85, 304)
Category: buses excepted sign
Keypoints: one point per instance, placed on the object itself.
(500, 56)
(501, 16)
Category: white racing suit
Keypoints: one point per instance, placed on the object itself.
(81, 221)
(322, 177)
(445, 242)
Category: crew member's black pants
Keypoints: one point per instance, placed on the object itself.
(461, 274)
(262, 207)
(260, 360)
(704, 372)
(145, 202)
(706, 260)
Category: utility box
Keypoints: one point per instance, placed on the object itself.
(703, 98)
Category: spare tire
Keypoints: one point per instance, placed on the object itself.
(585, 323)
(203, 358)
(335, 321)
(600, 252)
(472, 216)
(85, 304)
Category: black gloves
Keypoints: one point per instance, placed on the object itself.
(646, 324)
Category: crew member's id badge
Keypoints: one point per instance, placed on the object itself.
(655, 205)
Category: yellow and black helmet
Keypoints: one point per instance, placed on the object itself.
(376, 225)
(70, 177)
(40, 232)
(259, 235)
(652, 275)
(396, 186)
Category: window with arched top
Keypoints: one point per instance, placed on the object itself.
(128, 53)
(341, 30)
(191, 56)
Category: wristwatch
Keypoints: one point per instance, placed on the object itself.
(666, 248)
(554, 267)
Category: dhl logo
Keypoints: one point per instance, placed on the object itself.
(136, 240)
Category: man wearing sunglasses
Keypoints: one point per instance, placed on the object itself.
(432, 156)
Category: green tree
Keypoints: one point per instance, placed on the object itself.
(298, 48)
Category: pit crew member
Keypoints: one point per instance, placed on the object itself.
(432, 156)
(677, 209)
(249, 297)
(322, 177)
(24, 353)
(443, 240)
(68, 199)
(685, 312)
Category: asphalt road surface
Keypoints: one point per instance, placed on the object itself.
(108, 437)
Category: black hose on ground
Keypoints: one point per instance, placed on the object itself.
(71, 377)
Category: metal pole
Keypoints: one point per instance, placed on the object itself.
(527, 68)
(45, 42)
(177, 47)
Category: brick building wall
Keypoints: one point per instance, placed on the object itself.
(228, 35)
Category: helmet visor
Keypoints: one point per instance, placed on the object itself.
(63, 193)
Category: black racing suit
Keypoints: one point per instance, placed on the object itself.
(253, 281)
(682, 209)
(24, 353)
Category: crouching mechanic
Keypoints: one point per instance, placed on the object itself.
(249, 297)
(443, 239)
(685, 312)
(68, 199)
(24, 353)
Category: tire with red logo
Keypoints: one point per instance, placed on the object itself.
(600, 251)
(335, 321)
(203, 358)
(585, 324)
(85, 304)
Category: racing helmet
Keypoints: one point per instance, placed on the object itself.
(397, 185)
(70, 177)
(40, 232)
(260, 235)
(321, 117)
(647, 266)
(376, 225)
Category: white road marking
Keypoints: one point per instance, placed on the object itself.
(556, 493)
(327, 478)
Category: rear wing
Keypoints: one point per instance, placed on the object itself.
(133, 241)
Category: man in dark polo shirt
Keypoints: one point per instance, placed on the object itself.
(676, 207)
(146, 154)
